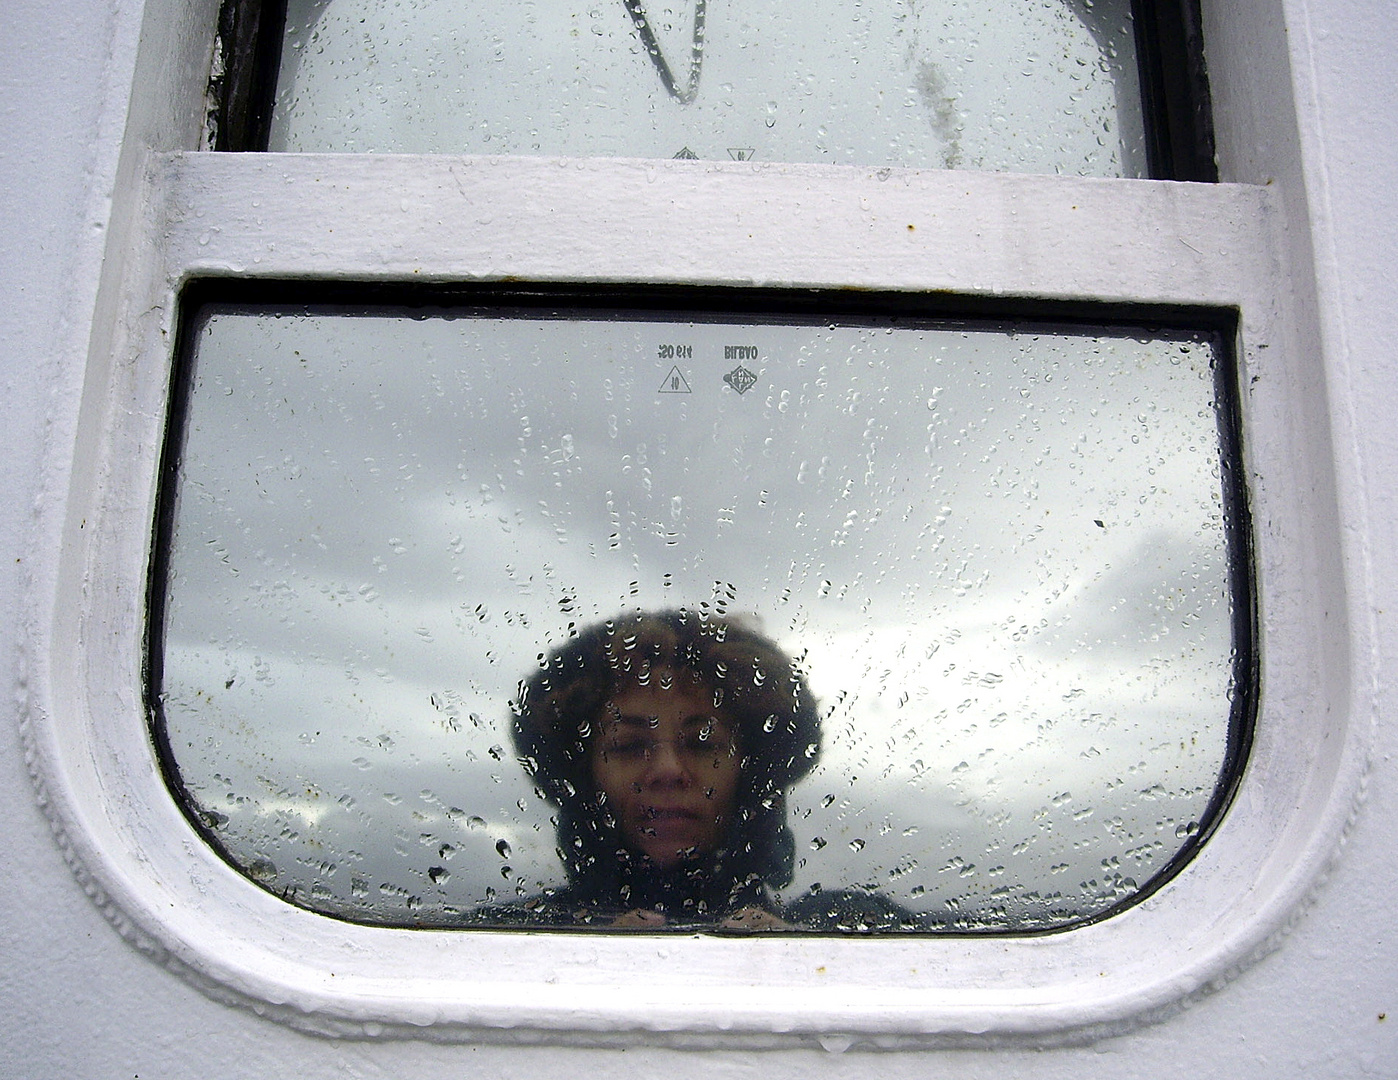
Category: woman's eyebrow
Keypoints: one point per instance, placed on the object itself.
(649, 721)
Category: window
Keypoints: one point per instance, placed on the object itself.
(999, 551)
(1111, 88)
(1052, 88)
(1124, 247)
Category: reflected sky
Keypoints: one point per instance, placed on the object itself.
(999, 555)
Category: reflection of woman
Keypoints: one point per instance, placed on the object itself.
(668, 743)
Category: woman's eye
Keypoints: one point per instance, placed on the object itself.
(629, 748)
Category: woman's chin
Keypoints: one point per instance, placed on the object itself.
(667, 856)
(668, 840)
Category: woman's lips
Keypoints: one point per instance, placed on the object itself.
(655, 812)
(670, 822)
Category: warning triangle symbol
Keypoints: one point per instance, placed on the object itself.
(675, 383)
(741, 153)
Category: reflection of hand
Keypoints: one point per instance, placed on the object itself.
(639, 917)
(753, 917)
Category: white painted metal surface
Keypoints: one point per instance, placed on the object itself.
(1297, 255)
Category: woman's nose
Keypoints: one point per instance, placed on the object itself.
(665, 765)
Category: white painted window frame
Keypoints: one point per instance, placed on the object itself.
(179, 213)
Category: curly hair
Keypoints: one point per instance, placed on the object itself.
(760, 690)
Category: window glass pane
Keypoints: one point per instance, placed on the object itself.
(1050, 86)
(991, 561)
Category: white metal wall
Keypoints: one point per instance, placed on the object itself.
(81, 1002)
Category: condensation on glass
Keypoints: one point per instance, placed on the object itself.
(1000, 553)
(1049, 86)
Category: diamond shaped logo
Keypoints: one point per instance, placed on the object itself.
(740, 379)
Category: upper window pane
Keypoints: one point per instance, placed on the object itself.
(1049, 87)
(473, 616)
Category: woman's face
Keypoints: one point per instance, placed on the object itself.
(667, 766)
